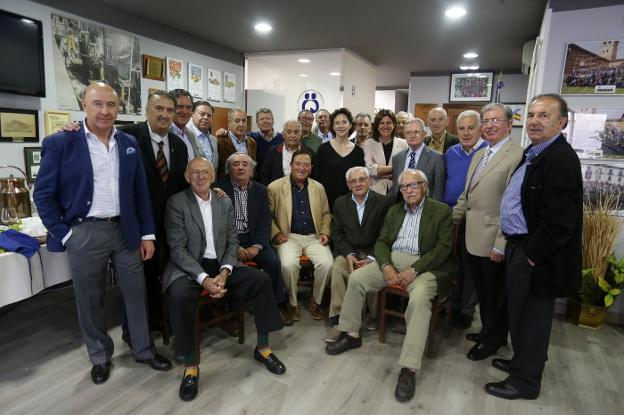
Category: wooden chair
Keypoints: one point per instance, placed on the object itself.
(437, 305)
(306, 274)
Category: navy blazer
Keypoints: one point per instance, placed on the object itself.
(258, 215)
(64, 187)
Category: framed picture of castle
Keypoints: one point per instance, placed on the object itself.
(594, 68)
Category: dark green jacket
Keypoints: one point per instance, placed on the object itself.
(312, 141)
(435, 240)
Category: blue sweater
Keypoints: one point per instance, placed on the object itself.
(457, 163)
(262, 146)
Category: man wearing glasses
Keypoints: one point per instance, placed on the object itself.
(414, 251)
(479, 205)
(308, 138)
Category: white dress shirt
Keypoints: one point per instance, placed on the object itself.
(286, 159)
(210, 252)
(105, 162)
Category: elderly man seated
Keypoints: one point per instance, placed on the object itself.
(413, 251)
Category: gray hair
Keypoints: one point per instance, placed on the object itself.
(409, 116)
(232, 111)
(230, 160)
(507, 111)
(362, 115)
(418, 121)
(468, 114)
(438, 109)
(414, 171)
(263, 111)
(188, 165)
(291, 122)
(355, 169)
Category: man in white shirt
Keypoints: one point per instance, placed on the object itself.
(322, 125)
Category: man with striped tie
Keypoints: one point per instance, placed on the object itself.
(479, 205)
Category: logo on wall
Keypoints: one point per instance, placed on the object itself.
(310, 100)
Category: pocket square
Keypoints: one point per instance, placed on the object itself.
(130, 150)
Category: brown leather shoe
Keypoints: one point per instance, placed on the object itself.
(286, 317)
(315, 310)
(294, 312)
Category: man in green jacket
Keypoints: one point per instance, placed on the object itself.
(414, 250)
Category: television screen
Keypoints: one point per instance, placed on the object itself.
(21, 52)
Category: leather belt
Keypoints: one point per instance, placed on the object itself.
(111, 219)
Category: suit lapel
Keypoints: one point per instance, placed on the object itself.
(80, 138)
(423, 160)
(196, 213)
(287, 195)
(425, 219)
(492, 162)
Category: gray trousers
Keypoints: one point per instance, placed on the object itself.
(89, 249)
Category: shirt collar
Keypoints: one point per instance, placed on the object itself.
(500, 144)
(202, 201)
(177, 130)
(418, 150)
(88, 132)
(474, 148)
(418, 209)
(239, 187)
(157, 137)
(293, 183)
(195, 130)
(534, 150)
(234, 138)
(355, 200)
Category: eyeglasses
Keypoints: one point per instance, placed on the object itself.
(493, 121)
(201, 173)
(413, 185)
(413, 132)
(358, 180)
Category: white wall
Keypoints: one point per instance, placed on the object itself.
(359, 80)
(13, 153)
(385, 99)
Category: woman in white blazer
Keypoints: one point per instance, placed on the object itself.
(379, 151)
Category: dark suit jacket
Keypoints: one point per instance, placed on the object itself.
(178, 157)
(347, 235)
(449, 140)
(64, 187)
(226, 149)
(186, 235)
(552, 202)
(430, 162)
(258, 214)
(272, 168)
(435, 240)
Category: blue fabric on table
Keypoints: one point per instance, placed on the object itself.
(14, 241)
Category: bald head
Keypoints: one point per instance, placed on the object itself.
(437, 120)
(101, 105)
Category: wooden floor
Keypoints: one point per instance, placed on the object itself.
(44, 369)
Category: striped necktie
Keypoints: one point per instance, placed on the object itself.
(480, 166)
(412, 161)
(161, 163)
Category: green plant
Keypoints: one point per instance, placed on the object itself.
(601, 291)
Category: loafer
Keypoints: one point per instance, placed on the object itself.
(188, 387)
(100, 373)
(501, 364)
(406, 385)
(473, 337)
(506, 390)
(315, 310)
(156, 362)
(294, 312)
(481, 351)
(286, 317)
(272, 363)
(344, 343)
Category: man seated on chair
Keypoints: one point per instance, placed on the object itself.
(356, 221)
(301, 221)
(413, 251)
(203, 244)
(253, 223)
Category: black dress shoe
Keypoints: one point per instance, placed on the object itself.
(272, 363)
(481, 351)
(157, 362)
(506, 390)
(501, 364)
(100, 373)
(188, 388)
(406, 385)
(344, 343)
(473, 337)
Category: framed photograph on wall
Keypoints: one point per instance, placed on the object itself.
(214, 85)
(596, 133)
(154, 68)
(19, 126)
(32, 160)
(175, 74)
(471, 87)
(594, 68)
(517, 114)
(196, 80)
(55, 120)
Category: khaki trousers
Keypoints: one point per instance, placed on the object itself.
(321, 257)
(417, 316)
(339, 279)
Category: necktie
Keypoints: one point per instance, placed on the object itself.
(481, 165)
(161, 163)
(412, 161)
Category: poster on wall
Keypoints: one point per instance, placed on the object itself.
(473, 87)
(175, 74)
(229, 87)
(196, 80)
(214, 85)
(594, 68)
(603, 177)
(596, 133)
(85, 53)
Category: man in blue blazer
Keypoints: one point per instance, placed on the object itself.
(92, 197)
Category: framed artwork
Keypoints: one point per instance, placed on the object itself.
(55, 120)
(153, 68)
(229, 87)
(175, 74)
(518, 114)
(32, 160)
(214, 84)
(471, 87)
(596, 133)
(603, 177)
(19, 126)
(594, 68)
(196, 80)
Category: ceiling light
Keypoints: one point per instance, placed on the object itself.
(263, 27)
(303, 60)
(469, 67)
(303, 75)
(455, 12)
(25, 20)
(470, 55)
(334, 73)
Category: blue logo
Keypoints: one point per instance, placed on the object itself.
(310, 100)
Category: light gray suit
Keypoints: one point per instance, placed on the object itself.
(430, 162)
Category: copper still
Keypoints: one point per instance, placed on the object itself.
(14, 193)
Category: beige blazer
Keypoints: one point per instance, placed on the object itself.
(479, 203)
(280, 204)
(374, 157)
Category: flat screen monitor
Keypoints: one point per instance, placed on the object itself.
(21, 55)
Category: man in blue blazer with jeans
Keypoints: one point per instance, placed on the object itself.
(92, 196)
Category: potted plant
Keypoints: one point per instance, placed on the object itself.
(598, 293)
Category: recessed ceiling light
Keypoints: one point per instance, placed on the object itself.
(470, 55)
(263, 27)
(455, 12)
(304, 60)
(469, 67)
(334, 73)
(303, 75)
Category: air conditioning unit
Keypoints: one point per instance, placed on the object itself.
(527, 56)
